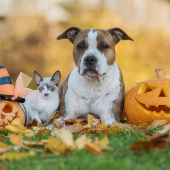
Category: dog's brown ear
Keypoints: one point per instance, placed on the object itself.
(70, 34)
(118, 34)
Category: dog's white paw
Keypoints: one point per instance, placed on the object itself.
(109, 121)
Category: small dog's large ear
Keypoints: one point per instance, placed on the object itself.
(56, 77)
(38, 78)
(118, 34)
(70, 34)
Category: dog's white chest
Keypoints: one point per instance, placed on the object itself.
(87, 96)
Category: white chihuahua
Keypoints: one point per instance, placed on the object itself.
(40, 104)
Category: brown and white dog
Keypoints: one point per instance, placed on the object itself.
(95, 85)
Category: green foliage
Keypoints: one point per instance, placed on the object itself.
(118, 158)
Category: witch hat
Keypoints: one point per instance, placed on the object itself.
(7, 89)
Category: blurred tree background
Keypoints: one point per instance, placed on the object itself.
(28, 31)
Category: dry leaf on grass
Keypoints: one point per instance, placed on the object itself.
(36, 143)
(3, 147)
(155, 142)
(18, 129)
(94, 149)
(101, 144)
(34, 122)
(43, 131)
(78, 128)
(81, 142)
(17, 156)
(121, 125)
(16, 139)
(56, 145)
(157, 123)
(165, 129)
(67, 138)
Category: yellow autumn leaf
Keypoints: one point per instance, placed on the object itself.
(102, 125)
(81, 142)
(17, 129)
(94, 149)
(66, 137)
(3, 147)
(17, 156)
(90, 119)
(55, 145)
(16, 139)
(105, 140)
(102, 144)
(87, 126)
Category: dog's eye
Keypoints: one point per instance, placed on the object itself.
(104, 47)
(80, 46)
(51, 88)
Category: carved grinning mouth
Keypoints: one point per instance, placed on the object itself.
(153, 109)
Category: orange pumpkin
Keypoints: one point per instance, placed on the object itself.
(149, 100)
(10, 110)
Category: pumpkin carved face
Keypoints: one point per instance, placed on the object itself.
(10, 110)
(149, 101)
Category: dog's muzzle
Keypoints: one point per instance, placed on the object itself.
(90, 65)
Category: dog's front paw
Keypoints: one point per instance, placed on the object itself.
(109, 121)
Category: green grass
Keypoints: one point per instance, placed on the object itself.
(120, 158)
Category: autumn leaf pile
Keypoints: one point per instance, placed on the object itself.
(61, 140)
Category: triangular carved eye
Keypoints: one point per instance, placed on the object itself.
(162, 93)
(145, 88)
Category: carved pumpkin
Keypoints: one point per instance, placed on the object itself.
(149, 100)
(10, 110)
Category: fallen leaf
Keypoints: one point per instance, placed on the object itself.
(157, 123)
(165, 129)
(81, 142)
(56, 145)
(102, 125)
(51, 119)
(105, 140)
(155, 142)
(121, 125)
(3, 147)
(17, 156)
(139, 145)
(102, 144)
(34, 122)
(16, 139)
(43, 131)
(36, 143)
(78, 128)
(70, 121)
(157, 136)
(66, 137)
(94, 149)
(90, 119)
(18, 129)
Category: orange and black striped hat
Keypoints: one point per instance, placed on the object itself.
(6, 86)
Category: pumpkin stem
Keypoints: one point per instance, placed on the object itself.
(159, 73)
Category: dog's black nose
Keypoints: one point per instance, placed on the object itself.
(90, 60)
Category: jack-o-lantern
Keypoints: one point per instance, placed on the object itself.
(149, 100)
(10, 110)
